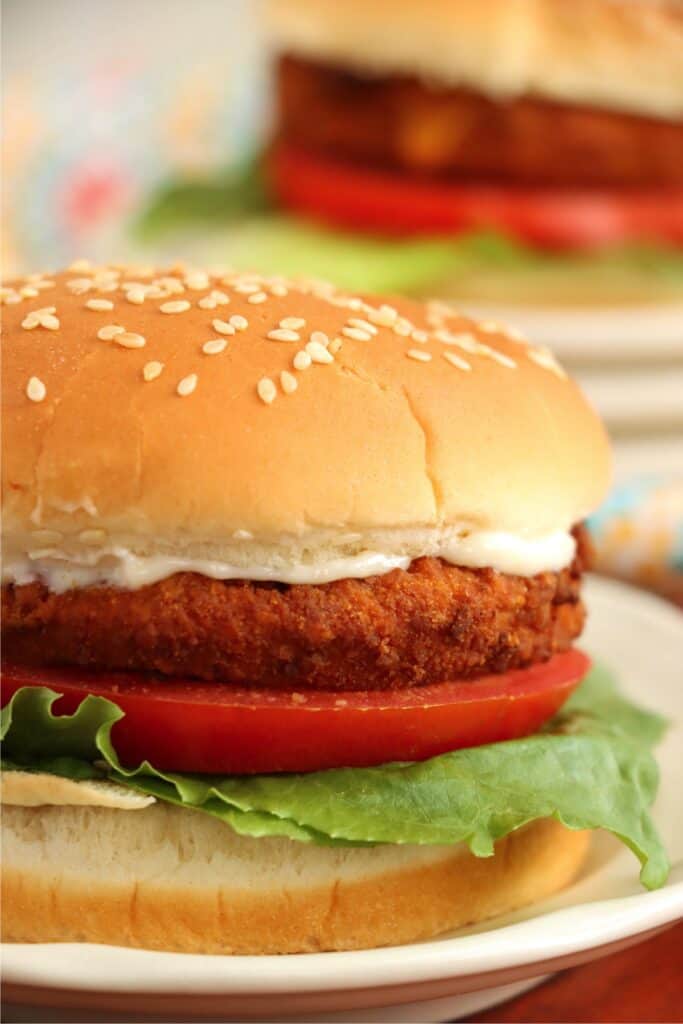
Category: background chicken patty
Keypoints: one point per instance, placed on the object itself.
(400, 122)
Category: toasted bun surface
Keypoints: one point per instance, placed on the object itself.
(385, 434)
(167, 878)
(616, 54)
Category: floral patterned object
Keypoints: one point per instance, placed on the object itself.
(639, 535)
(88, 138)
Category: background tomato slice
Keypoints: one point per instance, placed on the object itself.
(389, 203)
(199, 727)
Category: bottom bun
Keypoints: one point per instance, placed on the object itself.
(173, 879)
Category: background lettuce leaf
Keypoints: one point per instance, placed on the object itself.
(232, 216)
(590, 767)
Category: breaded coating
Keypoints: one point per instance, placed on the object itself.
(429, 623)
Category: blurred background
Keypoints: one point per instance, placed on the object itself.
(522, 160)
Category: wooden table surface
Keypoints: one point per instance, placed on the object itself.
(641, 984)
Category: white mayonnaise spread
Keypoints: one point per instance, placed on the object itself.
(117, 565)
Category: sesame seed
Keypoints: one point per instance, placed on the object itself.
(220, 298)
(197, 280)
(402, 328)
(214, 346)
(266, 389)
(354, 303)
(455, 360)
(35, 389)
(107, 286)
(335, 345)
(302, 360)
(420, 336)
(464, 341)
(385, 316)
(320, 337)
(278, 289)
(544, 358)
(43, 284)
(417, 353)
(356, 334)
(27, 292)
(282, 334)
(363, 325)
(171, 285)
(257, 298)
(221, 327)
(152, 370)
(99, 304)
(498, 357)
(293, 323)
(79, 285)
(490, 327)
(239, 322)
(80, 266)
(208, 302)
(177, 306)
(49, 321)
(136, 295)
(318, 353)
(288, 382)
(516, 335)
(92, 536)
(110, 331)
(30, 321)
(187, 385)
(246, 287)
(128, 339)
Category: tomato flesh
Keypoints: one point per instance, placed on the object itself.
(394, 204)
(181, 725)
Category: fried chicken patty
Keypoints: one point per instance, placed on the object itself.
(399, 122)
(431, 622)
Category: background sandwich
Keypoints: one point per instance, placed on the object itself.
(523, 152)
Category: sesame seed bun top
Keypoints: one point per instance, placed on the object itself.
(618, 54)
(185, 410)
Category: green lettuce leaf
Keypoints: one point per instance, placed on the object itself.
(590, 767)
(233, 217)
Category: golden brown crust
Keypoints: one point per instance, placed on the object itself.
(338, 909)
(432, 622)
(372, 439)
(400, 122)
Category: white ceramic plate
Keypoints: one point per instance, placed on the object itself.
(642, 638)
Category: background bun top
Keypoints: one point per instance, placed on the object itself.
(618, 54)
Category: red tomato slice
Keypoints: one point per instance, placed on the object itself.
(211, 727)
(389, 203)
